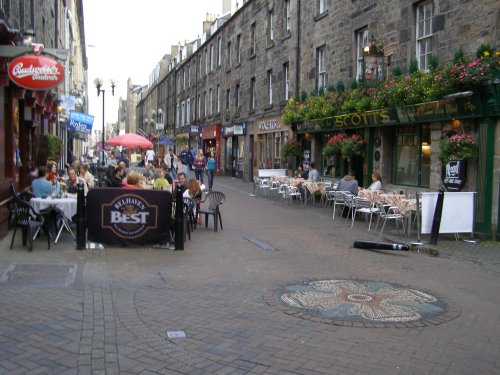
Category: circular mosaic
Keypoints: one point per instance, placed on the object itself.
(365, 303)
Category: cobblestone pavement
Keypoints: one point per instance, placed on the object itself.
(108, 311)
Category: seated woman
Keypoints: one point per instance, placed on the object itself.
(377, 182)
(301, 173)
(193, 190)
(52, 172)
(134, 180)
(161, 183)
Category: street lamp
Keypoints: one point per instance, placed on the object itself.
(98, 82)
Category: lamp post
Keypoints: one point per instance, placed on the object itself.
(98, 82)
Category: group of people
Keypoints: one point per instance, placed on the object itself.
(49, 181)
(347, 183)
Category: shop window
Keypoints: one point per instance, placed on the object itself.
(412, 156)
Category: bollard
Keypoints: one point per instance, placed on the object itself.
(380, 245)
(81, 222)
(179, 219)
(436, 221)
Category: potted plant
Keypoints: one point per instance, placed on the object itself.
(457, 147)
(53, 147)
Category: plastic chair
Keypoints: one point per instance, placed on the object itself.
(189, 218)
(214, 199)
(30, 221)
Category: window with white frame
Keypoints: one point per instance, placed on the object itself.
(288, 17)
(361, 43)
(212, 57)
(183, 109)
(321, 5)
(207, 62)
(219, 51)
(204, 103)
(320, 66)
(188, 111)
(252, 93)
(193, 108)
(199, 106)
(189, 76)
(252, 39)
(270, 87)
(228, 55)
(271, 25)
(424, 34)
(210, 101)
(178, 116)
(218, 98)
(238, 49)
(237, 96)
(228, 99)
(183, 79)
(286, 80)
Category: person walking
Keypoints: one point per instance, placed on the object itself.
(199, 165)
(185, 156)
(150, 157)
(211, 165)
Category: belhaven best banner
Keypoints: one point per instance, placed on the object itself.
(129, 216)
(80, 122)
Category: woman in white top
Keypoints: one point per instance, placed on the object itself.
(377, 182)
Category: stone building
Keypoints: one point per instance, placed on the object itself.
(28, 113)
(229, 91)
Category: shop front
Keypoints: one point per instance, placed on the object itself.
(405, 145)
(236, 157)
(211, 141)
(271, 134)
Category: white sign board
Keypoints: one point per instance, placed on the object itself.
(271, 172)
(457, 215)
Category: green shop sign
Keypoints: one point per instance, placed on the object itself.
(439, 110)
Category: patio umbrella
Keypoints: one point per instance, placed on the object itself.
(130, 140)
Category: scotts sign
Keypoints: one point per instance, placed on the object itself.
(36, 72)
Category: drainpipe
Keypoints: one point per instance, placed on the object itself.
(297, 70)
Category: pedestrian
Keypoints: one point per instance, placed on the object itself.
(193, 156)
(211, 166)
(199, 165)
(149, 157)
(185, 156)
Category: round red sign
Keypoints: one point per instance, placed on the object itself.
(36, 72)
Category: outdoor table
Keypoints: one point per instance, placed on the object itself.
(311, 187)
(67, 205)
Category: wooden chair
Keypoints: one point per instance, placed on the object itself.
(214, 199)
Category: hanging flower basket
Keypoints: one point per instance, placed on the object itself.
(457, 147)
(334, 145)
(353, 145)
(291, 148)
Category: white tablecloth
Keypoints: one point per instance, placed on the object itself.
(66, 205)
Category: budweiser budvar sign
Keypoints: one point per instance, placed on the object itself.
(36, 72)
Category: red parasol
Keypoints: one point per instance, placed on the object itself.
(130, 140)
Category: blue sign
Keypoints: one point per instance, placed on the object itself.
(80, 122)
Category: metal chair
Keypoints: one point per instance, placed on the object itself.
(30, 221)
(387, 212)
(292, 192)
(339, 200)
(264, 186)
(214, 199)
(364, 206)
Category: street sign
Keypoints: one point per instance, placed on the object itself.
(80, 122)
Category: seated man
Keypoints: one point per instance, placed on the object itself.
(135, 180)
(87, 176)
(41, 187)
(73, 180)
(348, 183)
